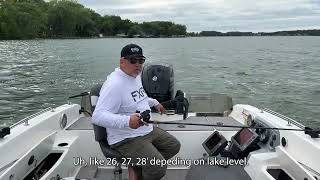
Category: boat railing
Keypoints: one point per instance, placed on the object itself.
(26, 120)
(289, 120)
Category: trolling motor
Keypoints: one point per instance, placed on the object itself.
(180, 104)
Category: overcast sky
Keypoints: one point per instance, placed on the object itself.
(219, 15)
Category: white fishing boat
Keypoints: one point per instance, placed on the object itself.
(219, 140)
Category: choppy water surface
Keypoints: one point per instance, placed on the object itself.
(281, 73)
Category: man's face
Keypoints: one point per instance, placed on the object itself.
(132, 65)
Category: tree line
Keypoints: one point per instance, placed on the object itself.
(311, 32)
(30, 19)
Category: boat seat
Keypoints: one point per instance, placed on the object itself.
(100, 134)
(94, 95)
(101, 137)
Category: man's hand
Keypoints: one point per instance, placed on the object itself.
(134, 121)
(160, 108)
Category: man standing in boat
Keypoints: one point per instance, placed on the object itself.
(121, 96)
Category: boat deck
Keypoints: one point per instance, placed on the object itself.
(98, 173)
(206, 172)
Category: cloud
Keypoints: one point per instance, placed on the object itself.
(220, 15)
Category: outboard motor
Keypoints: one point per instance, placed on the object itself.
(158, 81)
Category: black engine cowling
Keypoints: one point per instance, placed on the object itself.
(158, 81)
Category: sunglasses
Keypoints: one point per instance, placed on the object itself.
(133, 60)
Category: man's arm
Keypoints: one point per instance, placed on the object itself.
(152, 102)
(105, 113)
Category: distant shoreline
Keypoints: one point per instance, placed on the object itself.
(311, 33)
(75, 38)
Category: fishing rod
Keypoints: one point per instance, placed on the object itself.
(230, 126)
(313, 133)
(145, 118)
(79, 95)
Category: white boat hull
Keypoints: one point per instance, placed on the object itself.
(44, 135)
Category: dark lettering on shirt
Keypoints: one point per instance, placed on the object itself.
(138, 95)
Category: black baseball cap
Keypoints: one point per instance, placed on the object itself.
(131, 50)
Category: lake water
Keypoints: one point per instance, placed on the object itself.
(280, 73)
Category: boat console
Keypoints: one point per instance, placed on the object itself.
(215, 143)
(262, 141)
(257, 136)
(244, 139)
(242, 143)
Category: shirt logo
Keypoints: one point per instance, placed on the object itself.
(135, 49)
(138, 95)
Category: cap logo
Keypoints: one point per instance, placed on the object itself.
(135, 49)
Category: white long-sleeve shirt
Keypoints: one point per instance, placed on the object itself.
(121, 95)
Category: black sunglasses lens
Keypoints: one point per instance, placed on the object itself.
(135, 60)
(141, 61)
